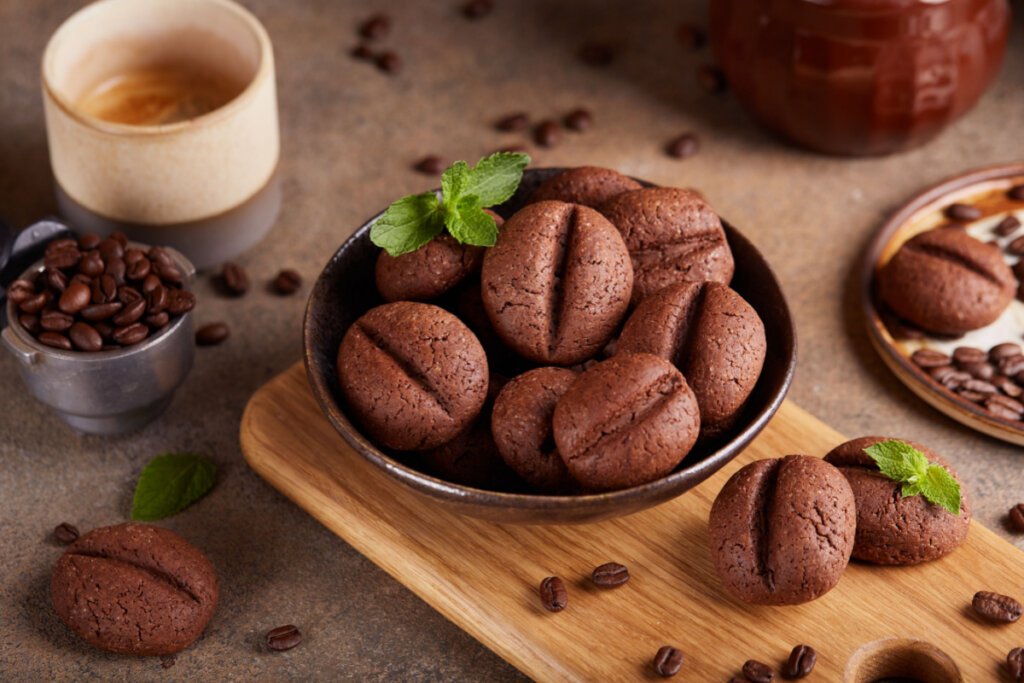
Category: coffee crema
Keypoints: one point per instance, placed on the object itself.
(159, 95)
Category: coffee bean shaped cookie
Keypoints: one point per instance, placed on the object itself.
(135, 589)
(946, 281)
(522, 427)
(557, 283)
(431, 270)
(588, 185)
(626, 421)
(782, 530)
(712, 335)
(892, 529)
(672, 235)
(413, 375)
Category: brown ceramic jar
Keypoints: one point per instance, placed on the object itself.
(859, 77)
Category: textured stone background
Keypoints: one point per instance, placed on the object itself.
(349, 134)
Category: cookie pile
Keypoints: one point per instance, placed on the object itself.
(590, 349)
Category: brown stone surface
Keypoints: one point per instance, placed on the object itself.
(349, 136)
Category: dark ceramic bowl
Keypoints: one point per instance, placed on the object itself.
(345, 290)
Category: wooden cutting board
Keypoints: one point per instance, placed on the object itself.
(484, 576)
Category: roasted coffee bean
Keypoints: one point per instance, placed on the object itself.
(55, 321)
(512, 122)
(157, 300)
(962, 212)
(388, 62)
(168, 272)
(942, 373)
(212, 334)
(376, 27)
(106, 331)
(130, 334)
(283, 638)
(430, 165)
(65, 533)
(116, 269)
(596, 54)
(686, 145)
(362, 51)
(801, 662)
(691, 37)
(89, 241)
(180, 301)
(160, 255)
(128, 295)
(91, 264)
(972, 396)
(130, 313)
(110, 249)
(553, 595)
(1015, 658)
(477, 9)
(157, 320)
(76, 297)
(1007, 226)
(36, 302)
(1007, 386)
(133, 255)
(139, 269)
(547, 133)
(1010, 365)
(168, 661)
(996, 607)
(150, 283)
(668, 661)
(711, 79)
(19, 291)
(30, 322)
(984, 371)
(120, 238)
(1004, 407)
(757, 672)
(610, 574)
(235, 279)
(979, 386)
(1016, 247)
(55, 339)
(83, 278)
(1006, 350)
(59, 245)
(85, 337)
(64, 259)
(968, 354)
(1017, 517)
(288, 281)
(1016, 193)
(579, 120)
(103, 289)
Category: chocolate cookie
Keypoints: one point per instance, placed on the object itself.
(892, 529)
(413, 375)
(521, 424)
(712, 335)
(672, 235)
(135, 589)
(626, 421)
(557, 283)
(782, 530)
(947, 282)
(588, 185)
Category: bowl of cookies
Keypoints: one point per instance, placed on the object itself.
(581, 347)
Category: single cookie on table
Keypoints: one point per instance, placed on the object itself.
(672, 235)
(135, 589)
(947, 282)
(892, 529)
(712, 335)
(782, 530)
(557, 283)
(625, 421)
(522, 426)
(587, 185)
(413, 375)
(431, 270)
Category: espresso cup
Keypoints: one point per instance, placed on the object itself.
(161, 117)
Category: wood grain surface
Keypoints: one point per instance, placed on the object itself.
(484, 576)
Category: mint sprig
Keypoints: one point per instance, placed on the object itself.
(170, 483)
(412, 221)
(905, 464)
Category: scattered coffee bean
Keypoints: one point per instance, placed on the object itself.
(1016, 193)
(996, 607)
(668, 661)
(711, 79)
(168, 661)
(547, 133)
(983, 371)
(55, 321)
(1007, 386)
(610, 574)
(388, 62)
(801, 662)
(477, 9)
(65, 533)
(553, 594)
(968, 354)
(1016, 247)
(430, 165)
(596, 54)
(1007, 226)
(757, 672)
(55, 339)
(962, 212)
(362, 51)
(287, 282)
(691, 37)
(1004, 407)
(234, 279)
(283, 638)
(376, 27)
(1015, 658)
(130, 334)
(929, 358)
(212, 334)
(1017, 517)
(579, 120)
(513, 122)
(686, 145)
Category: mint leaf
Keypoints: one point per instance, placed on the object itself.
(169, 484)
(495, 178)
(453, 183)
(407, 224)
(905, 464)
(941, 488)
(471, 225)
